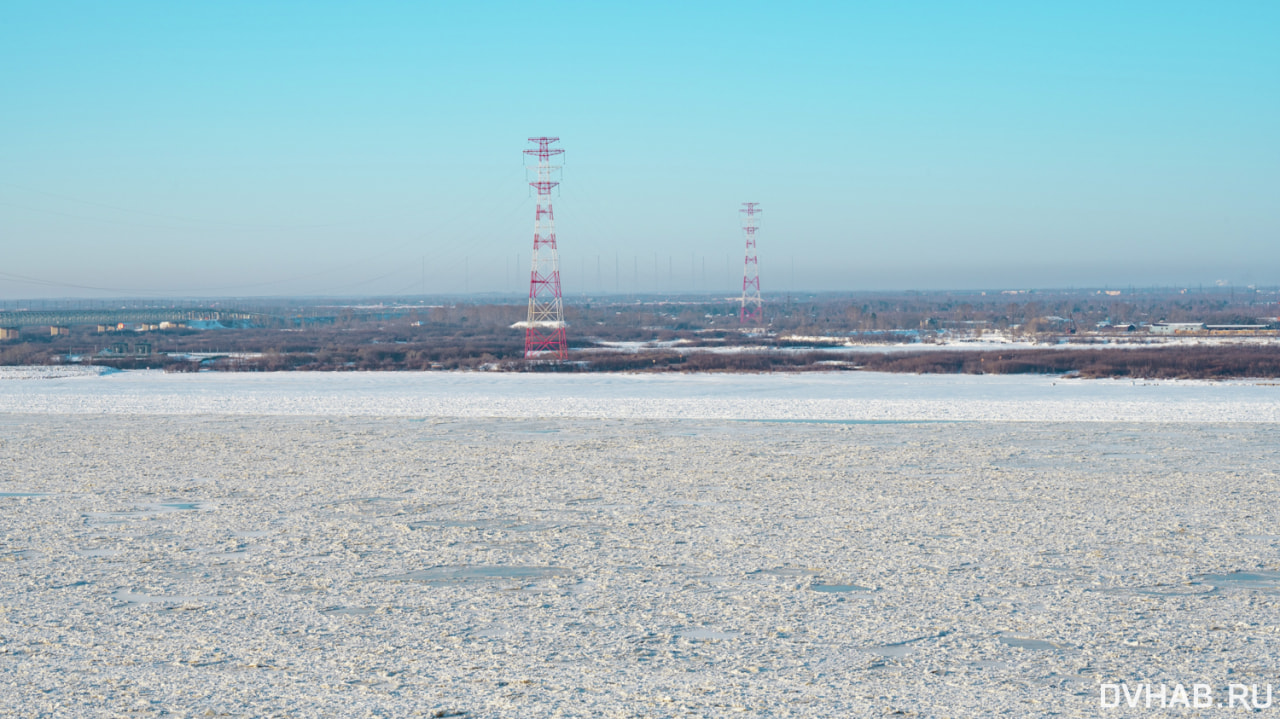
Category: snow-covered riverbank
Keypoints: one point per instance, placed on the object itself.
(813, 396)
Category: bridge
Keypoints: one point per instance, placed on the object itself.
(65, 318)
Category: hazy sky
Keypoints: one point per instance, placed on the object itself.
(251, 148)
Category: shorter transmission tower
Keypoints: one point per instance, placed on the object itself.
(544, 329)
(752, 309)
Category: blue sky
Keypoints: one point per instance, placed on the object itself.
(276, 148)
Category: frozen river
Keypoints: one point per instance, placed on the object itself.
(490, 545)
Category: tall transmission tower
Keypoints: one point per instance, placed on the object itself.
(752, 304)
(544, 330)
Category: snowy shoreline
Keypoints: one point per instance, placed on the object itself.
(813, 396)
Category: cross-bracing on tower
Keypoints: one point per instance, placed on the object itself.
(544, 335)
(752, 309)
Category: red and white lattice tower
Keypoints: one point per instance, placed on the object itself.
(752, 304)
(544, 330)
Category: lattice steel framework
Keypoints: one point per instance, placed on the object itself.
(752, 309)
(544, 336)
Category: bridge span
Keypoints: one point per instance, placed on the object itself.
(66, 318)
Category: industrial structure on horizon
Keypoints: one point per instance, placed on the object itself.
(752, 308)
(544, 335)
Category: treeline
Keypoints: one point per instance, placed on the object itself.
(469, 353)
(1221, 362)
(474, 336)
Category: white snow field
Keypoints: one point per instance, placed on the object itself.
(833, 396)
(481, 545)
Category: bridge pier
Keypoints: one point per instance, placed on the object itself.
(8, 334)
(59, 331)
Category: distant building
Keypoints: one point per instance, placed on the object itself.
(1176, 328)
(1239, 329)
(1200, 328)
(1119, 326)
